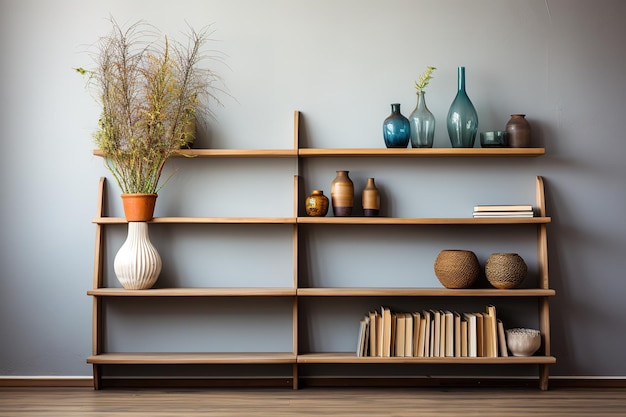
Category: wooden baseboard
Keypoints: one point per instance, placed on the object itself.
(196, 383)
(453, 382)
(555, 383)
(46, 382)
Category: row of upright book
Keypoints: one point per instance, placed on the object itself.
(498, 211)
(431, 333)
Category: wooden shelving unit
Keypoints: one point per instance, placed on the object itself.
(542, 293)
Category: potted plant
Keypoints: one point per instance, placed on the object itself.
(150, 88)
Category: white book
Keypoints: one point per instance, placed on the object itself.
(361, 338)
(503, 214)
(408, 334)
(417, 328)
(472, 342)
(449, 334)
(503, 207)
(457, 334)
(400, 335)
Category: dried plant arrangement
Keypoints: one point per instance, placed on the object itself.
(151, 88)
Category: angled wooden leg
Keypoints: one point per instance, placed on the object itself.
(294, 374)
(97, 378)
(543, 377)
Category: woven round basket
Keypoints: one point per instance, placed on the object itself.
(505, 270)
(456, 268)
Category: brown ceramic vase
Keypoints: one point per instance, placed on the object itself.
(316, 204)
(518, 131)
(371, 199)
(342, 194)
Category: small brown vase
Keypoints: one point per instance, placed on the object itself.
(371, 199)
(316, 204)
(342, 194)
(139, 207)
(518, 131)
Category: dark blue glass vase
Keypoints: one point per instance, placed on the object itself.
(396, 129)
(462, 119)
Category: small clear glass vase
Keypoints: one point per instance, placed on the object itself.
(422, 124)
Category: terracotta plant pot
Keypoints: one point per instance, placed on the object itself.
(139, 207)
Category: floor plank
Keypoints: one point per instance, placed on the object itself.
(340, 402)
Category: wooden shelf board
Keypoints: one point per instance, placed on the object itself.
(333, 220)
(228, 153)
(173, 358)
(164, 358)
(202, 220)
(419, 152)
(423, 221)
(194, 292)
(423, 292)
(352, 152)
(347, 357)
(322, 292)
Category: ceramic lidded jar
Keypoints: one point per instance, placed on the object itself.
(316, 204)
(342, 194)
(518, 131)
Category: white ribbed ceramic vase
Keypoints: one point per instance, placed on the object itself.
(137, 264)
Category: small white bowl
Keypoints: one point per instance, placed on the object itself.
(523, 342)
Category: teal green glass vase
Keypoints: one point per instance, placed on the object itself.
(462, 118)
(422, 124)
(396, 129)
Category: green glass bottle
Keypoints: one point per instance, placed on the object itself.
(462, 118)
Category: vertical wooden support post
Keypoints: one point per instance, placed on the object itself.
(96, 314)
(294, 372)
(296, 240)
(294, 314)
(542, 258)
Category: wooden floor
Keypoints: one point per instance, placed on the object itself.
(327, 402)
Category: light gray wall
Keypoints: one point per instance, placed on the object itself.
(341, 63)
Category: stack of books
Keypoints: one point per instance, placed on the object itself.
(431, 333)
(507, 210)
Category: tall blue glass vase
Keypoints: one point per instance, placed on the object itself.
(462, 119)
(396, 129)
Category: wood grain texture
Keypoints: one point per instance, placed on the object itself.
(352, 152)
(192, 358)
(397, 402)
(195, 292)
(334, 220)
(419, 152)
